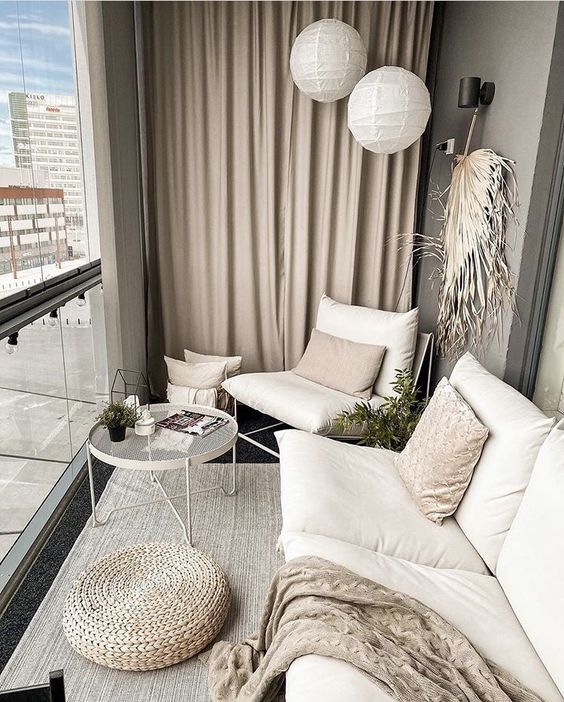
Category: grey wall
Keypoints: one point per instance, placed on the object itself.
(110, 36)
(510, 43)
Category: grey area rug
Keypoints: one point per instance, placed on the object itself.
(240, 532)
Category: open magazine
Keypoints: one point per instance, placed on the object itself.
(188, 422)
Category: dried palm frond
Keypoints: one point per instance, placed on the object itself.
(475, 281)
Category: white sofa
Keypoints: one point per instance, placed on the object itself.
(495, 570)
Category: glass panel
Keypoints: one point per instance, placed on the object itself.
(37, 367)
(24, 484)
(51, 386)
(42, 213)
(549, 389)
(34, 426)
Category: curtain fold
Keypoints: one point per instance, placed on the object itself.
(259, 199)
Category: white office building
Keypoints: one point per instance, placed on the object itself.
(46, 138)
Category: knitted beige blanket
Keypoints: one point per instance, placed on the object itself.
(405, 648)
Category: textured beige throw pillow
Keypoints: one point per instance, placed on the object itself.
(341, 364)
(439, 458)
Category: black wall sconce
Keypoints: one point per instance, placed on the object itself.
(473, 93)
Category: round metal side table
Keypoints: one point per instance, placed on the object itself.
(164, 450)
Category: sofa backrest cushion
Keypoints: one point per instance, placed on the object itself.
(531, 562)
(517, 430)
(397, 331)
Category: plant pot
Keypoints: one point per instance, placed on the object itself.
(116, 433)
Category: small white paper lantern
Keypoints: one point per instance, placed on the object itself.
(327, 60)
(388, 110)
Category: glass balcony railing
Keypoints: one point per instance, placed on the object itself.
(52, 381)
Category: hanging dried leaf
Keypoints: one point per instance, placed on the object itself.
(475, 281)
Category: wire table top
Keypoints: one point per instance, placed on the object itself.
(166, 449)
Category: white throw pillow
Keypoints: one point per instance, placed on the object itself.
(531, 562)
(517, 430)
(183, 396)
(233, 362)
(397, 331)
(195, 375)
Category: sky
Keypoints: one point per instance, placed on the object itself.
(35, 56)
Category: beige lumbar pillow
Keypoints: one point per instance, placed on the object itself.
(439, 458)
(195, 375)
(233, 363)
(341, 364)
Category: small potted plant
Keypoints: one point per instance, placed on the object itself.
(116, 417)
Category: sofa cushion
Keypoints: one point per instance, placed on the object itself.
(354, 493)
(292, 399)
(531, 562)
(437, 463)
(341, 364)
(516, 431)
(397, 331)
(473, 603)
(195, 375)
(233, 363)
(184, 397)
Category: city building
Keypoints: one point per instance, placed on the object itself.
(45, 137)
(32, 225)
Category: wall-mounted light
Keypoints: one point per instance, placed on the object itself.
(12, 343)
(81, 300)
(473, 93)
(53, 318)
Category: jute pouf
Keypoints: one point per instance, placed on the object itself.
(146, 607)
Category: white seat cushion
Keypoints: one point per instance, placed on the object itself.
(531, 562)
(516, 431)
(292, 399)
(473, 603)
(397, 331)
(354, 493)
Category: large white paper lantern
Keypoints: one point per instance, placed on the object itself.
(389, 109)
(327, 60)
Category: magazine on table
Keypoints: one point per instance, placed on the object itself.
(188, 422)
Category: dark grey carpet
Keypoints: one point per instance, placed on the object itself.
(39, 579)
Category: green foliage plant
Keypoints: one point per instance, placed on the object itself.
(118, 414)
(391, 424)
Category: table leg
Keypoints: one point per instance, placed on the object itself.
(188, 530)
(233, 489)
(95, 521)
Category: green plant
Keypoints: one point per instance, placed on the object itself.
(118, 414)
(391, 424)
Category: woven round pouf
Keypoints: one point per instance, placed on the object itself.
(146, 607)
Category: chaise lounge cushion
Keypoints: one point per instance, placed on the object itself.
(397, 331)
(516, 431)
(292, 399)
(473, 603)
(355, 494)
(531, 562)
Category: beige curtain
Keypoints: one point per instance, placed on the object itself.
(258, 198)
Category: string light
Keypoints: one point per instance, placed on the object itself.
(53, 318)
(12, 343)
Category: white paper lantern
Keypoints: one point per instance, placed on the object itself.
(389, 109)
(327, 60)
